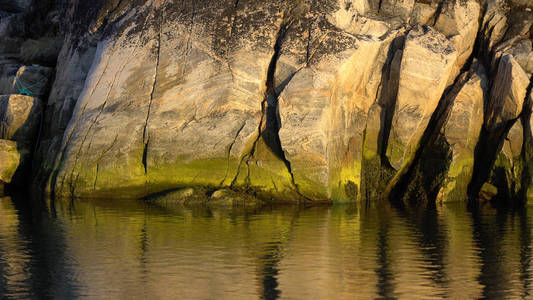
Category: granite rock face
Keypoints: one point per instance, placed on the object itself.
(334, 100)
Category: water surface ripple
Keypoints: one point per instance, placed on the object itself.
(136, 250)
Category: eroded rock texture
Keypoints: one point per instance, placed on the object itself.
(301, 100)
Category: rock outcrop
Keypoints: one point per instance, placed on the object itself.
(299, 100)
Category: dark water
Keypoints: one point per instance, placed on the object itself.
(132, 250)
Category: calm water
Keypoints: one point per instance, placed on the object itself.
(132, 250)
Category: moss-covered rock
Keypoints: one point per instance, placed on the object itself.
(9, 160)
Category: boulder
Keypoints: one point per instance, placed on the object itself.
(426, 66)
(493, 26)
(502, 136)
(9, 160)
(184, 106)
(20, 119)
(507, 94)
(177, 197)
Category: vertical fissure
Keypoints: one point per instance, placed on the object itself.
(146, 135)
(526, 154)
(486, 153)
(417, 182)
(270, 122)
(229, 151)
(270, 134)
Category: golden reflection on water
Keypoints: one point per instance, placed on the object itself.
(131, 250)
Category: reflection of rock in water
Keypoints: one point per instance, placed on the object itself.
(525, 253)
(272, 255)
(270, 271)
(38, 248)
(125, 249)
(385, 283)
(431, 240)
(504, 242)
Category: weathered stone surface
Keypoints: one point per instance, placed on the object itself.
(507, 94)
(323, 113)
(494, 24)
(9, 160)
(423, 13)
(285, 100)
(20, 119)
(8, 72)
(459, 22)
(203, 93)
(428, 59)
(522, 52)
(462, 132)
(397, 8)
(162, 95)
(529, 149)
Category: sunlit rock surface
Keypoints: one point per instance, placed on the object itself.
(286, 100)
(462, 132)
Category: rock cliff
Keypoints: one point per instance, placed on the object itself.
(291, 100)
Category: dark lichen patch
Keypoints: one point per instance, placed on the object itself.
(422, 182)
(376, 175)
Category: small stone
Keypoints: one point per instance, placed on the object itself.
(488, 191)
(175, 197)
(221, 193)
